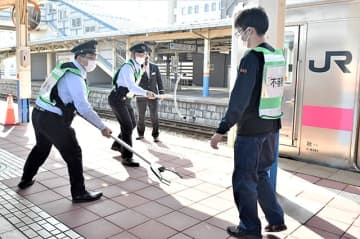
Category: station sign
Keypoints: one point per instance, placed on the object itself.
(182, 47)
(174, 64)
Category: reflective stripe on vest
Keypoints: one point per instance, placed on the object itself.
(137, 74)
(272, 87)
(50, 82)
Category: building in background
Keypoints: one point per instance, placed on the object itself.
(191, 11)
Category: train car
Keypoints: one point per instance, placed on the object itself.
(321, 97)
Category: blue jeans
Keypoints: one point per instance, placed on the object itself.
(253, 157)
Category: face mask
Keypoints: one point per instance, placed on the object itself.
(140, 60)
(90, 66)
(245, 35)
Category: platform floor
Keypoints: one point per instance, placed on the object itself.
(319, 202)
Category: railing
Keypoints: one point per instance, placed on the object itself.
(119, 59)
(105, 65)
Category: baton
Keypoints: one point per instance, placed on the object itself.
(157, 169)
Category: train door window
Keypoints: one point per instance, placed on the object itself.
(291, 41)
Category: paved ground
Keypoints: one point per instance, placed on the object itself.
(320, 202)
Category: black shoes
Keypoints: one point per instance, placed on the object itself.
(87, 197)
(275, 228)
(130, 163)
(235, 231)
(116, 147)
(25, 184)
(156, 139)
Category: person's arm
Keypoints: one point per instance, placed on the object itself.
(126, 78)
(240, 97)
(76, 87)
(241, 93)
(159, 80)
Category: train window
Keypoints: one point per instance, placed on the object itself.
(289, 55)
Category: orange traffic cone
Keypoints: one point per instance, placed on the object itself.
(10, 114)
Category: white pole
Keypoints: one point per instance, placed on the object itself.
(22, 61)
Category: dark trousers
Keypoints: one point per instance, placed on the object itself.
(254, 155)
(124, 113)
(141, 104)
(51, 129)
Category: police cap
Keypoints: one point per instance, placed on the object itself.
(139, 48)
(84, 48)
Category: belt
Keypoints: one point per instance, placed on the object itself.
(39, 108)
(123, 97)
(43, 110)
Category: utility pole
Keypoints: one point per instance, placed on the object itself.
(23, 67)
(275, 36)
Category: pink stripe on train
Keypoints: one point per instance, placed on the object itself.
(328, 117)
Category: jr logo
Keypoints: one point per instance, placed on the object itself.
(341, 63)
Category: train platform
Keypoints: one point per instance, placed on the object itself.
(319, 202)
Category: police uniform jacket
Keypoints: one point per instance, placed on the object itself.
(126, 81)
(72, 89)
(243, 107)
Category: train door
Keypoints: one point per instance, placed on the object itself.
(291, 46)
(330, 89)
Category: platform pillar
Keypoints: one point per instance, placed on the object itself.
(206, 73)
(23, 66)
(275, 10)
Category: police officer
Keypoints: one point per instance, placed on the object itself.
(124, 81)
(63, 92)
(150, 80)
(258, 127)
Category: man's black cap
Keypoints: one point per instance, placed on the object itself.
(139, 48)
(84, 48)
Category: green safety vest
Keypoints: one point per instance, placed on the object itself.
(137, 74)
(52, 79)
(272, 87)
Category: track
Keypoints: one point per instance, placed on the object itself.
(184, 127)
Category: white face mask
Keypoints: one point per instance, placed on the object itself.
(90, 66)
(140, 60)
(245, 35)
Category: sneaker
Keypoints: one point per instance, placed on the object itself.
(139, 137)
(275, 228)
(235, 231)
(156, 140)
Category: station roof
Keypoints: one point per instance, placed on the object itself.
(207, 30)
(214, 29)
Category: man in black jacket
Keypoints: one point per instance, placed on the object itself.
(258, 122)
(150, 80)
